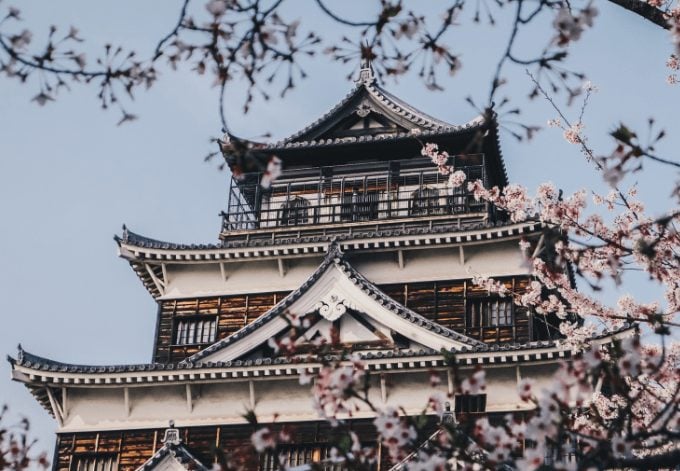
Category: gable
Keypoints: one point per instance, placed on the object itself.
(368, 110)
(338, 297)
(172, 456)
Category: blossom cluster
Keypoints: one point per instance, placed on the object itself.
(570, 26)
(334, 386)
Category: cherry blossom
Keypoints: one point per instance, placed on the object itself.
(263, 439)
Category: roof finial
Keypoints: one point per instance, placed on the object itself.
(171, 435)
(366, 72)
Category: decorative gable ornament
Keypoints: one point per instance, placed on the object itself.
(363, 110)
(171, 435)
(332, 307)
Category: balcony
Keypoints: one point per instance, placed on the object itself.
(340, 198)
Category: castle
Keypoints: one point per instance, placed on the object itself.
(361, 234)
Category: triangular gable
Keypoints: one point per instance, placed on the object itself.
(368, 110)
(336, 292)
(172, 456)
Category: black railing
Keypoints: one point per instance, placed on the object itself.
(343, 196)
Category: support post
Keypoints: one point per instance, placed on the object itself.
(190, 399)
(383, 388)
(159, 284)
(461, 254)
(251, 391)
(64, 401)
(165, 274)
(400, 259)
(58, 413)
(539, 246)
(126, 398)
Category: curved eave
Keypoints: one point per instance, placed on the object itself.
(152, 250)
(37, 372)
(449, 131)
(39, 375)
(145, 254)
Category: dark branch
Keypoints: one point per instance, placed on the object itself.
(645, 10)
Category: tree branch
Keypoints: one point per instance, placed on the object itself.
(645, 10)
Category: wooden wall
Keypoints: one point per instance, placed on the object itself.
(442, 301)
(234, 313)
(133, 447)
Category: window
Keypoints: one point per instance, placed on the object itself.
(458, 200)
(470, 403)
(95, 462)
(195, 330)
(360, 206)
(296, 455)
(294, 212)
(489, 312)
(424, 201)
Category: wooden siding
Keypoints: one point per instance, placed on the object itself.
(134, 447)
(445, 302)
(234, 312)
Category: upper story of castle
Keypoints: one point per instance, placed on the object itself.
(356, 176)
(360, 166)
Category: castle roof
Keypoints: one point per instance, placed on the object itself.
(367, 113)
(38, 373)
(173, 456)
(333, 271)
(141, 251)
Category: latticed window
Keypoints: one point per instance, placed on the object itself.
(94, 462)
(294, 212)
(425, 201)
(458, 200)
(296, 455)
(489, 312)
(360, 206)
(195, 330)
(470, 403)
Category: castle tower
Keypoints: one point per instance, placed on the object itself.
(362, 236)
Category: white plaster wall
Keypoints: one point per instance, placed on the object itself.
(103, 408)
(412, 391)
(259, 276)
(503, 395)
(284, 397)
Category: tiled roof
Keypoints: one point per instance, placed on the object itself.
(370, 90)
(475, 124)
(38, 363)
(130, 238)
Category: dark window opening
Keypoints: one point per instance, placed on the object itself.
(360, 206)
(458, 201)
(297, 455)
(425, 201)
(94, 462)
(195, 330)
(489, 312)
(470, 403)
(294, 212)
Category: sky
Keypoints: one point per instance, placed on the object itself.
(69, 177)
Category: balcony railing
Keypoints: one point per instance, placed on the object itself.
(347, 194)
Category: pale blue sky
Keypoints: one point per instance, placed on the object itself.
(69, 177)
